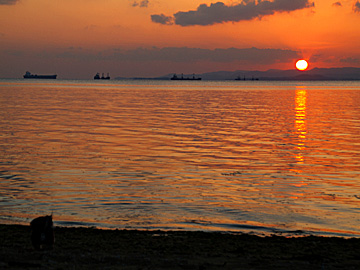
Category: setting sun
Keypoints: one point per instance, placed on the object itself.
(302, 64)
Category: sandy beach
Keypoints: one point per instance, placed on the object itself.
(90, 248)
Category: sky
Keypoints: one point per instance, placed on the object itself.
(75, 39)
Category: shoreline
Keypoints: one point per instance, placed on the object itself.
(91, 248)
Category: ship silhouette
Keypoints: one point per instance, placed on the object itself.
(28, 75)
(97, 77)
(175, 77)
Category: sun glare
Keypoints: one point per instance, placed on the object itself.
(302, 64)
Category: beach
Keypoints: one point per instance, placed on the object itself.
(91, 248)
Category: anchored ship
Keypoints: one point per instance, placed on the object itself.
(238, 78)
(97, 77)
(28, 75)
(182, 78)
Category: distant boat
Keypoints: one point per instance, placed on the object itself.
(97, 77)
(182, 78)
(238, 78)
(28, 75)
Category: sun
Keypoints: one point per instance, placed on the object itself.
(302, 64)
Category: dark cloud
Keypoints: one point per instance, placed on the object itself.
(91, 27)
(74, 53)
(185, 54)
(316, 58)
(246, 10)
(8, 2)
(143, 3)
(350, 60)
(357, 6)
(162, 19)
(178, 55)
(77, 62)
(337, 4)
(14, 52)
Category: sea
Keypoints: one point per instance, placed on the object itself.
(261, 157)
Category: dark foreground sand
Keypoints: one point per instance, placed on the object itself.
(87, 248)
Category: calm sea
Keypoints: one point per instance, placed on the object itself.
(241, 156)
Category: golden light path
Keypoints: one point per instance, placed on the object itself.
(300, 120)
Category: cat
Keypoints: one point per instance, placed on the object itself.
(42, 232)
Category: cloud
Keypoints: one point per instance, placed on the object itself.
(162, 19)
(78, 62)
(191, 55)
(91, 27)
(73, 53)
(357, 6)
(14, 52)
(350, 60)
(337, 4)
(244, 11)
(167, 55)
(143, 3)
(8, 2)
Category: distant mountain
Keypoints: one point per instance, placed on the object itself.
(347, 73)
(276, 74)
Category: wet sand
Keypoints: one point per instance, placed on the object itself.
(89, 248)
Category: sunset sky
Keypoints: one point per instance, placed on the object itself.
(77, 38)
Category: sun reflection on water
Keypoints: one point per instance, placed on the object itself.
(300, 121)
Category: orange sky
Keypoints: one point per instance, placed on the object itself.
(77, 38)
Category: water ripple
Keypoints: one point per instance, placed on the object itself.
(267, 157)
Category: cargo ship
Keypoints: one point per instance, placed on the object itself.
(97, 77)
(176, 78)
(28, 75)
